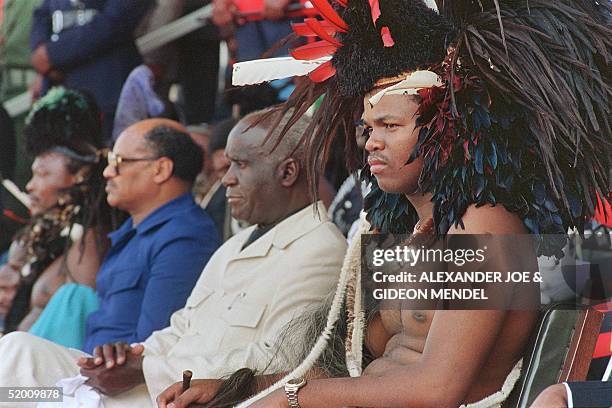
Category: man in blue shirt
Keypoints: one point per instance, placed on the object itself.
(158, 254)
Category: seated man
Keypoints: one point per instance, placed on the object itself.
(158, 253)
(458, 143)
(253, 285)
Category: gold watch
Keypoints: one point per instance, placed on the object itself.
(291, 391)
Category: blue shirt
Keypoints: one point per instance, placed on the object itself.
(150, 271)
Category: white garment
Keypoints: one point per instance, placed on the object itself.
(76, 394)
(28, 361)
(570, 397)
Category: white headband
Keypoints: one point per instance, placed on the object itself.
(414, 81)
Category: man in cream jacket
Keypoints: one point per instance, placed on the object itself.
(252, 286)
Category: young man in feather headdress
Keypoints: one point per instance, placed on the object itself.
(469, 132)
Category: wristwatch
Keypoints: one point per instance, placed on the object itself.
(291, 391)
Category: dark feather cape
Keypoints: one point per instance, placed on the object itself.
(523, 119)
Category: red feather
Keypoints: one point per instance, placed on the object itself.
(329, 14)
(303, 30)
(385, 34)
(313, 50)
(375, 10)
(321, 32)
(322, 72)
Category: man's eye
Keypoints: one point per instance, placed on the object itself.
(367, 130)
(390, 125)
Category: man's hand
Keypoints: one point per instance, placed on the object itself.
(201, 391)
(553, 396)
(275, 9)
(110, 354)
(223, 12)
(118, 379)
(40, 60)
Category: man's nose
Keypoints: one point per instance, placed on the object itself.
(109, 171)
(30, 186)
(374, 143)
(229, 178)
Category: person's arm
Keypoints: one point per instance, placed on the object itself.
(111, 371)
(83, 259)
(223, 12)
(176, 267)
(111, 26)
(203, 390)
(82, 268)
(442, 378)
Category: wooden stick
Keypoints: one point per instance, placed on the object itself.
(187, 374)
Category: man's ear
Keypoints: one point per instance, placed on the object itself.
(164, 167)
(288, 172)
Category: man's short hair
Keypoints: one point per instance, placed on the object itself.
(220, 133)
(292, 142)
(178, 146)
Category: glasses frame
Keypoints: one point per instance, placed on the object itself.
(115, 160)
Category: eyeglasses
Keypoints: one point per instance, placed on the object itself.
(115, 160)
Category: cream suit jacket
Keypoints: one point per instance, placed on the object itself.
(243, 299)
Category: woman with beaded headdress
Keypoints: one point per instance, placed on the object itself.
(66, 238)
(483, 117)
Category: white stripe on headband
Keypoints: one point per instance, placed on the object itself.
(414, 81)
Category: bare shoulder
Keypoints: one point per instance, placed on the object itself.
(83, 259)
(489, 219)
(86, 244)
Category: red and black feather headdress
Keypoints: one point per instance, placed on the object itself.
(523, 117)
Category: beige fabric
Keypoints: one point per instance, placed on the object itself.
(244, 298)
(29, 361)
